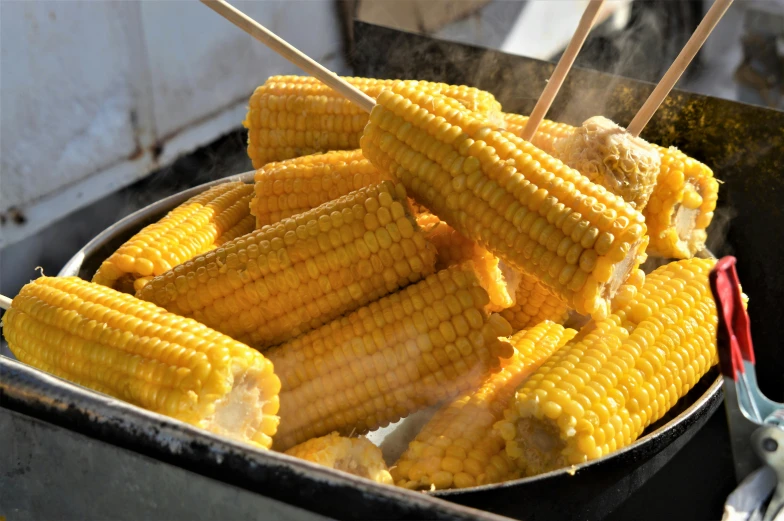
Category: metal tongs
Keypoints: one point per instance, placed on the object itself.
(756, 423)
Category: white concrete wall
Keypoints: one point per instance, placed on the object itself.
(91, 90)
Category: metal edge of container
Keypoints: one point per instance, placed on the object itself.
(28, 391)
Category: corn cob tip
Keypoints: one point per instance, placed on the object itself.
(604, 152)
(681, 207)
(495, 276)
(111, 342)
(616, 376)
(356, 456)
(200, 224)
(458, 446)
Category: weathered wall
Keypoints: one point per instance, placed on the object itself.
(96, 95)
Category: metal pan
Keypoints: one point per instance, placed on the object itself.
(591, 486)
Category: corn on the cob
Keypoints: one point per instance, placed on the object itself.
(617, 376)
(547, 134)
(454, 248)
(608, 155)
(353, 455)
(294, 186)
(533, 304)
(601, 150)
(198, 225)
(404, 352)
(285, 279)
(292, 116)
(525, 207)
(458, 447)
(116, 344)
(681, 204)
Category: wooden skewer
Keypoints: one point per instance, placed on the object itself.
(287, 51)
(675, 71)
(562, 69)
(5, 302)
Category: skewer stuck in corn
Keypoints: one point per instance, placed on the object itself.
(618, 375)
(602, 151)
(682, 200)
(116, 344)
(292, 116)
(290, 277)
(525, 207)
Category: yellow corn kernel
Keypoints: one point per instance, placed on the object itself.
(454, 248)
(353, 455)
(293, 186)
(200, 224)
(388, 359)
(116, 344)
(290, 277)
(507, 195)
(618, 375)
(292, 116)
(473, 451)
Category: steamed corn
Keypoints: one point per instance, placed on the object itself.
(525, 207)
(618, 375)
(458, 447)
(290, 277)
(402, 353)
(113, 343)
(200, 224)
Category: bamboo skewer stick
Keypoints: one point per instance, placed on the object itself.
(562, 69)
(673, 74)
(5, 302)
(289, 52)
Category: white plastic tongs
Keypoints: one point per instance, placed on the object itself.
(756, 423)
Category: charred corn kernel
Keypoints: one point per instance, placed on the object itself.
(198, 225)
(681, 206)
(290, 277)
(353, 455)
(116, 344)
(291, 116)
(293, 186)
(534, 303)
(507, 195)
(454, 248)
(473, 451)
(389, 359)
(618, 375)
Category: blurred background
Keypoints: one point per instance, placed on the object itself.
(106, 107)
